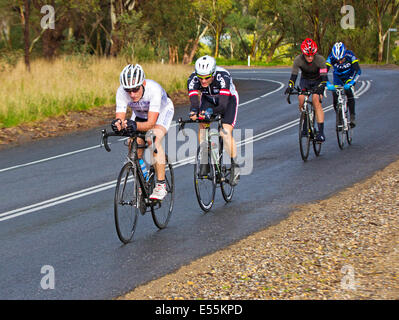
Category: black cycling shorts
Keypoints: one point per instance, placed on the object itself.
(306, 84)
(229, 115)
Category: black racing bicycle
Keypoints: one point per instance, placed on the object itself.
(219, 165)
(343, 127)
(307, 124)
(133, 189)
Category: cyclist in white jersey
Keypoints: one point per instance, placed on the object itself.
(152, 109)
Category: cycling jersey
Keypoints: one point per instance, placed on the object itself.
(316, 70)
(221, 95)
(347, 70)
(154, 99)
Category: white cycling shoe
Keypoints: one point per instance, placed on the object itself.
(159, 192)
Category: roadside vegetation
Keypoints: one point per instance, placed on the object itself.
(71, 84)
(49, 67)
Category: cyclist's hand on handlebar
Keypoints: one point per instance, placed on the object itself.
(348, 85)
(131, 126)
(289, 90)
(116, 125)
(320, 88)
(193, 115)
(330, 86)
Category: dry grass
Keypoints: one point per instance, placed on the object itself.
(71, 83)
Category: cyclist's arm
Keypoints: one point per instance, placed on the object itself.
(294, 72)
(150, 123)
(193, 87)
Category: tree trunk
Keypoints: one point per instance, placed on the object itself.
(273, 48)
(26, 33)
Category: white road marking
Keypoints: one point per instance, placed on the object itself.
(111, 184)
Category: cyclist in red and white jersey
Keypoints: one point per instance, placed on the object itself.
(212, 91)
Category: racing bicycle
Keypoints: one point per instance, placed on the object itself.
(343, 127)
(134, 187)
(219, 165)
(307, 121)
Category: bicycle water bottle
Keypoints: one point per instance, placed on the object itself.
(144, 169)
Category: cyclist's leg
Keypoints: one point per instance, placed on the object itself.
(317, 104)
(229, 120)
(351, 106)
(160, 130)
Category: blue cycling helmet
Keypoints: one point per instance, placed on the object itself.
(338, 50)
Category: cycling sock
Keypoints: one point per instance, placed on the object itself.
(161, 181)
(233, 160)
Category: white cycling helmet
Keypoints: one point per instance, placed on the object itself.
(205, 66)
(132, 76)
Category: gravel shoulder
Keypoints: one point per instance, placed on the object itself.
(344, 247)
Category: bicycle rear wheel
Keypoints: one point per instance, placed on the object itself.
(162, 211)
(225, 186)
(304, 139)
(340, 127)
(125, 209)
(205, 186)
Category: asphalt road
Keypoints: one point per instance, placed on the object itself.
(56, 195)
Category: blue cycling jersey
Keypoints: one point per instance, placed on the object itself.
(344, 70)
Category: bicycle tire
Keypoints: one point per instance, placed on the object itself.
(349, 132)
(209, 182)
(125, 211)
(225, 187)
(162, 211)
(316, 144)
(304, 141)
(340, 128)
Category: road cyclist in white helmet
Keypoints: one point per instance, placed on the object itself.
(212, 91)
(152, 109)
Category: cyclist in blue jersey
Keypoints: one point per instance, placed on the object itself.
(346, 71)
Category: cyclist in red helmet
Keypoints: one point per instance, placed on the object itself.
(313, 77)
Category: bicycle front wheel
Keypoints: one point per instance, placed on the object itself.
(205, 185)
(349, 132)
(162, 211)
(125, 209)
(304, 136)
(340, 127)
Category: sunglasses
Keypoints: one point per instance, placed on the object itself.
(133, 90)
(204, 77)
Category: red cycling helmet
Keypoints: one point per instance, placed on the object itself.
(309, 47)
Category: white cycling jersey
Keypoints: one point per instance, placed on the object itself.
(154, 99)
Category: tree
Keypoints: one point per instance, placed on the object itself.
(386, 13)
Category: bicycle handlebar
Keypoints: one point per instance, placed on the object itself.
(217, 118)
(298, 91)
(105, 135)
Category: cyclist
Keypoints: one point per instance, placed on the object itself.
(346, 72)
(152, 109)
(313, 77)
(218, 96)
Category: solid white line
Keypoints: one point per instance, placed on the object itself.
(111, 184)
